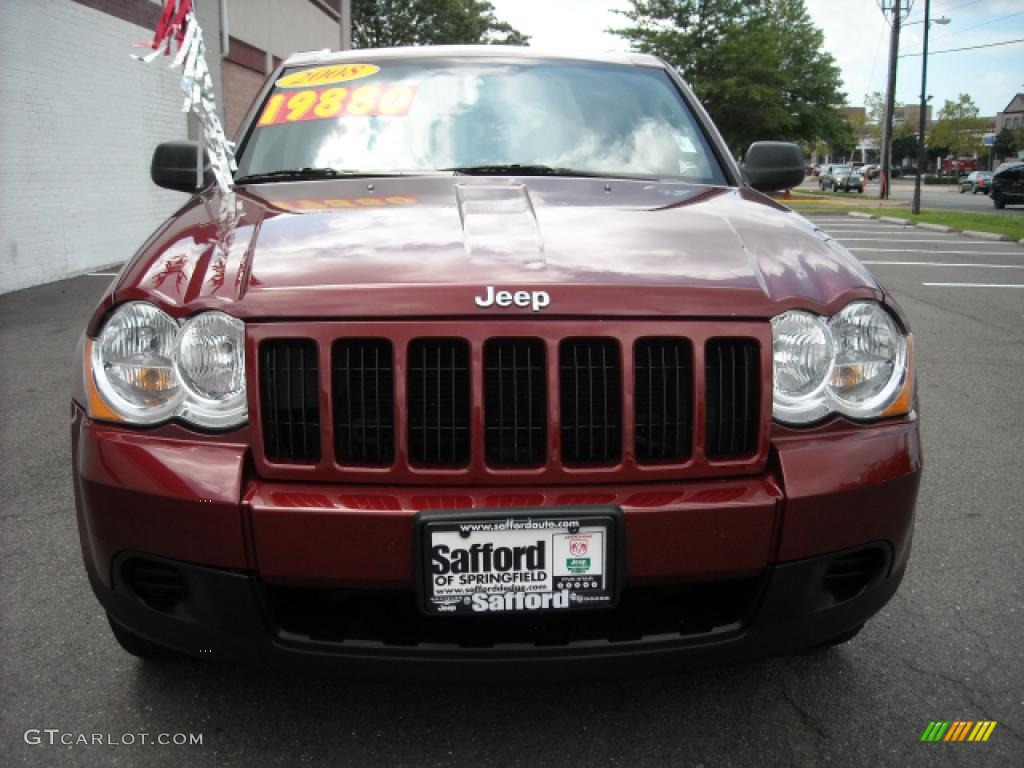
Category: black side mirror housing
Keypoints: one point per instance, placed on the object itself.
(773, 165)
(174, 166)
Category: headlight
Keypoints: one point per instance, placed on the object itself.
(858, 364)
(210, 363)
(147, 369)
(803, 353)
(133, 362)
(871, 360)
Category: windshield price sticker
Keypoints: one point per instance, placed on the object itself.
(494, 565)
(336, 73)
(332, 103)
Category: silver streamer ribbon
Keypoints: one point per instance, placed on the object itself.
(199, 96)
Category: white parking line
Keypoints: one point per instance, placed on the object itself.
(933, 252)
(102, 274)
(973, 285)
(940, 239)
(943, 264)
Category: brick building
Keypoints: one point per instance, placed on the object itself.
(82, 118)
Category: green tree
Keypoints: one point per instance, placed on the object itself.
(1006, 144)
(874, 103)
(904, 144)
(843, 142)
(958, 127)
(757, 65)
(389, 23)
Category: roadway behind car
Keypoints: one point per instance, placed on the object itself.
(945, 197)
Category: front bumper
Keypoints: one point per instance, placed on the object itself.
(755, 555)
(229, 621)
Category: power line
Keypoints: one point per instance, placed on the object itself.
(983, 24)
(968, 48)
(958, 7)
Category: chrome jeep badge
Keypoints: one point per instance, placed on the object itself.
(535, 299)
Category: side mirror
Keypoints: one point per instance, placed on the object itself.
(772, 165)
(174, 166)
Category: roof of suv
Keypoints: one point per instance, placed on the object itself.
(327, 56)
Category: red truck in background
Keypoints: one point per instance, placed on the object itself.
(959, 166)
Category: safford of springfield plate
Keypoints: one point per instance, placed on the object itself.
(488, 562)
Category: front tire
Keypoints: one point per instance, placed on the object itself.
(998, 201)
(139, 646)
(845, 637)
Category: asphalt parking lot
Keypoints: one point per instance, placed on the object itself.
(948, 647)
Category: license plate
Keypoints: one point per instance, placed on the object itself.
(496, 562)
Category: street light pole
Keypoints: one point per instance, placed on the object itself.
(890, 101)
(922, 155)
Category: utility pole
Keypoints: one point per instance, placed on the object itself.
(346, 25)
(922, 156)
(890, 102)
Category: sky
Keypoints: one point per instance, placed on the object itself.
(857, 36)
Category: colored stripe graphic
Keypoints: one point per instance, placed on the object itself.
(958, 730)
(935, 730)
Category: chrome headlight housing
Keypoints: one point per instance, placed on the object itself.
(147, 368)
(857, 363)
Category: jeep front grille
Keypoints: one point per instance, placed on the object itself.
(543, 401)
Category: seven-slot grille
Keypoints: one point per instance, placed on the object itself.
(521, 400)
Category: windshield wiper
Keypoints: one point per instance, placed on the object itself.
(515, 169)
(307, 174)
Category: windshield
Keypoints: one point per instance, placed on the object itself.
(415, 116)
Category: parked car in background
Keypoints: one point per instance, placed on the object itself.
(1008, 186)
(870, 171)
(841, 178)
(975, 182)
(816, 169)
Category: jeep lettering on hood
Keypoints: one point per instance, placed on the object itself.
(536, 299)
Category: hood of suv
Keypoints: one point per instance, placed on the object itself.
(362, 248)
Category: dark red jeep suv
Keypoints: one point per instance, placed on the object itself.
(491, 360)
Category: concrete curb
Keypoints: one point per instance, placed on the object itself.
(986, 235)
(859, 215)
(894, 220)
(935, 227)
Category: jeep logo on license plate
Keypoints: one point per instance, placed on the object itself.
(535, 299)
